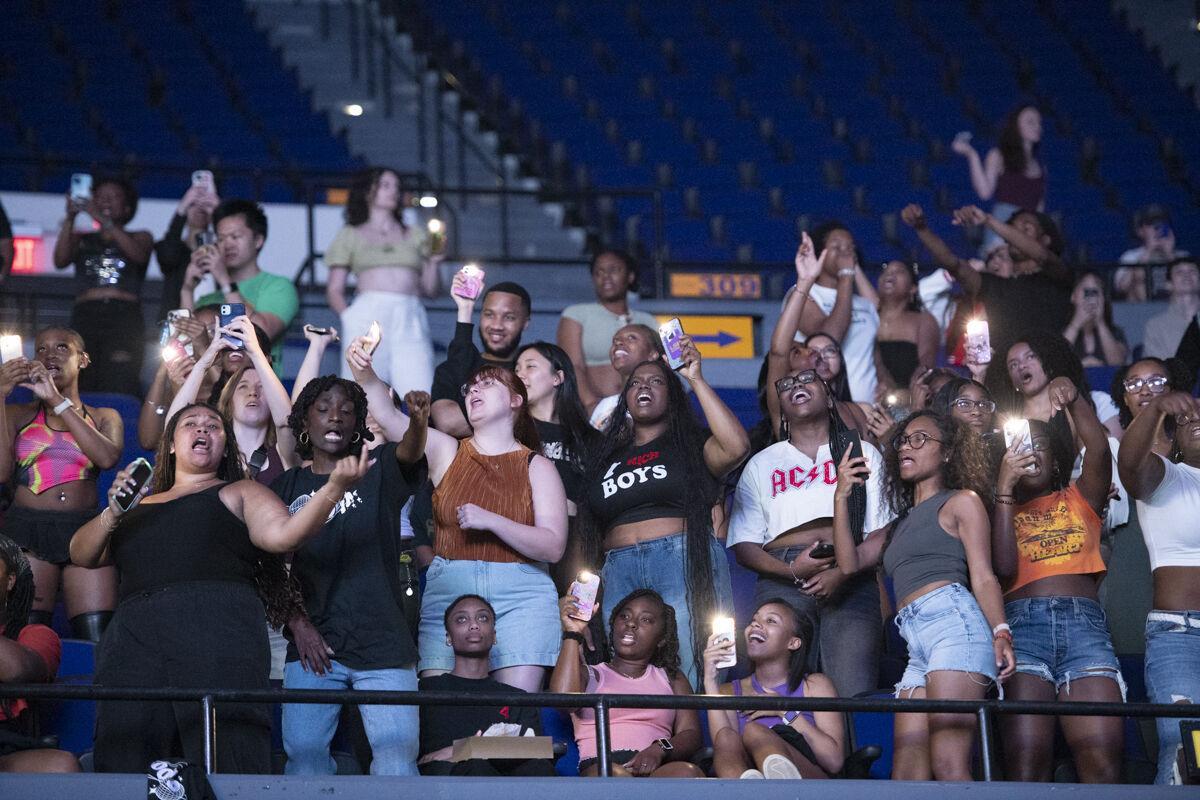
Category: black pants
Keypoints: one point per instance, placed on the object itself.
(114, 335)
(189, 635)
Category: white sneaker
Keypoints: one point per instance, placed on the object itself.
(779, 767)
(751, 773)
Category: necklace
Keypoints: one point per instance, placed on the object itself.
(625, 675)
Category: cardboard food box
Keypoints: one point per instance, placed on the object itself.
(522, 747)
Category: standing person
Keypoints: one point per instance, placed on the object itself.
(631, 345)
(937, 552)
(967, 401)
(271, 300)
(394, 269)
(838, 312)
(500, 519)
(29, 653)
(586, 329)
(1152, 226)
(192, 217)
(505, 316)
(202, 549)
(110, 265)
(1011, 174)
(1096, 339)
(471, 632)
(349, 578)
(643, 632)
(1167, 491)
(650, 488)
(783, 508)
(52, 451)
(790, 744)
(1164, 331)
(1023, 388)
(907, 342)
(1046, 536)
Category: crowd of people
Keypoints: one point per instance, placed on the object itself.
(878, 484)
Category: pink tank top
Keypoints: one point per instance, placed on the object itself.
(631, 728)
(47, 457)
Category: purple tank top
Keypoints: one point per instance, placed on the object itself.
(1020, 190)
(772, 721)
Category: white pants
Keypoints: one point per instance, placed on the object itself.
(404, 359)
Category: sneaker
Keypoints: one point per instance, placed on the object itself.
(779, 767)
(751, 773)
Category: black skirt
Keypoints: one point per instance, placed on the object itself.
(45, 534)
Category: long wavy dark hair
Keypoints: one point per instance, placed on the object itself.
(579, 434)
(967, 467)
(1012, 146)
(685, 437)
(298, 419)
(840, 383)
(802, 628)
(913, 269)
(666, 655)
(362, 189)
(1058, 361)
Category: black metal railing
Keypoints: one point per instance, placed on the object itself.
(985, 711)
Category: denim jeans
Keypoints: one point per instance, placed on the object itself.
(308, 728)
(1059, 639)
(659, 565)
(1172, 675)
(945, 631)
(847, 628)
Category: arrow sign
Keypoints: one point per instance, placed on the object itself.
(720, 338)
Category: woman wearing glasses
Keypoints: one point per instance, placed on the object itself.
(938, 555)
(1046, 549)
(1135, 387)
(783, 509)
(967, 401)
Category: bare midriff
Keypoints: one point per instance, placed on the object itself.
(806, 535)
(397, 280)
(639, 532)
(1177, 588)
(106, 293)
(71, 496)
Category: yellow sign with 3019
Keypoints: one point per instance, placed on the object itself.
(723, 285)
(718, 336)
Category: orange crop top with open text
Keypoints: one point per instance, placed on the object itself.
(1057, 534)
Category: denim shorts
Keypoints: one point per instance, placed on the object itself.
(945, 630)
(1059, 639)
(1172, 676)
(528, 631)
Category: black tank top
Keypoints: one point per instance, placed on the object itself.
(190, 538)
(642, 482)
(102, 264)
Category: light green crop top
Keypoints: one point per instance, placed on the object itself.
(351, 249)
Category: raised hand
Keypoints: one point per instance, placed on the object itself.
(13, 373)
(123, 482)
(314, 336)
(1062, 393)
(39, 381)
(1014, 466)
(970, 215)
(691, 359)
(808, 264)
(349, 471)
(913, 216)
(568, 612)
(851, 472)
(418, 404)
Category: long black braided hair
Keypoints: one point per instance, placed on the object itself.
(666, 655)
(686, 437)
(14, 613)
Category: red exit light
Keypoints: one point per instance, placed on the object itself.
(27, 254)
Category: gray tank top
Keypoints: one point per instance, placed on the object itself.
(921, 551)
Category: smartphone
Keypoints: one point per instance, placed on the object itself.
(850, 440)
(584, 589)
(671, 332)
(81, 186)
(204, 178)
(373, 337)
(822, 550)
(227, 313)
(437, 236)
(140, 471)
(1017, 430)
(173, 317)
(172, 350)
(978, 342)
(895, 409)
(722, 631)
(10, 347)
(472, 281)
(204, 238)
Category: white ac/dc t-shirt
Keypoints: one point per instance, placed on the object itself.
(858, 345)
(782, 488)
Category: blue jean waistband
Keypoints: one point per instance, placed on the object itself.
(1076, 604)
(948, 592)
(669, 541)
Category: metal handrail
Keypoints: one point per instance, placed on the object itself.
(984, 710)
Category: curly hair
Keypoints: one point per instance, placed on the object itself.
(129, 195)
(14, 613)
(362, 189)
(298, 419)
(1177, 381)
(686, 438)
(279, 591)
(1058, 361)
(666, 656)
(967, 467)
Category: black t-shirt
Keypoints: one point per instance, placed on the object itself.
(349, 572)
(554, 447)
(642, 482)
(441, 725)
(462, 358)
(1021, 304)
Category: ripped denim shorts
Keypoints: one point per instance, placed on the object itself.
(1060, 639)
(945, 630)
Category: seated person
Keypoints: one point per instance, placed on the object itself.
(471, 632)
(631, 345)
(646, 742)
(28, 654)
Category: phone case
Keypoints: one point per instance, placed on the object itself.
(10, 347)
(723, 632)
(671, 332)
(229, 312)
(472, 282)
(81, 186)
(373, 337)
(1018, 430)
(141, 475)
(584, 590)
(978, 344)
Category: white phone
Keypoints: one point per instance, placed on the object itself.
(10, 348)
(722, 631)
(81, 186)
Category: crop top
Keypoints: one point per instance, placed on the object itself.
(643, 482)
(351, 249)
(781, 488)
(1168, 518)
(190, 538)
(1057, 534)
(922, 552)
(600, 325)
(499, 484)
(101, 264)
(629, 728)
(47, 457)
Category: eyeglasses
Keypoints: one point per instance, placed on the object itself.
(789, 382)
(966, 404)
(916, 440)
(1039, 445)
(1185, 419)
(829, 351)
(1155, 383)
(482, 383)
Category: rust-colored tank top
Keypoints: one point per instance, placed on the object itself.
(499, 484)
(1057, 534)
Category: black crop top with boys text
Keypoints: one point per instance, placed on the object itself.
(642, 482)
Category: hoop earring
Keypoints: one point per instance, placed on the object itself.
(303, 438)
(356, 438)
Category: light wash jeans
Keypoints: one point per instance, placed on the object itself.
(1172, 675)
(308, 728)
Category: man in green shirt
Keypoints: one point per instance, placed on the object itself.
(271, 301)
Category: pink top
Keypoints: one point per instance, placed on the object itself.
(631, 728)
(47, 457)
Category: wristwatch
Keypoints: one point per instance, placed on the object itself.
(665, 744)
(63, 406)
